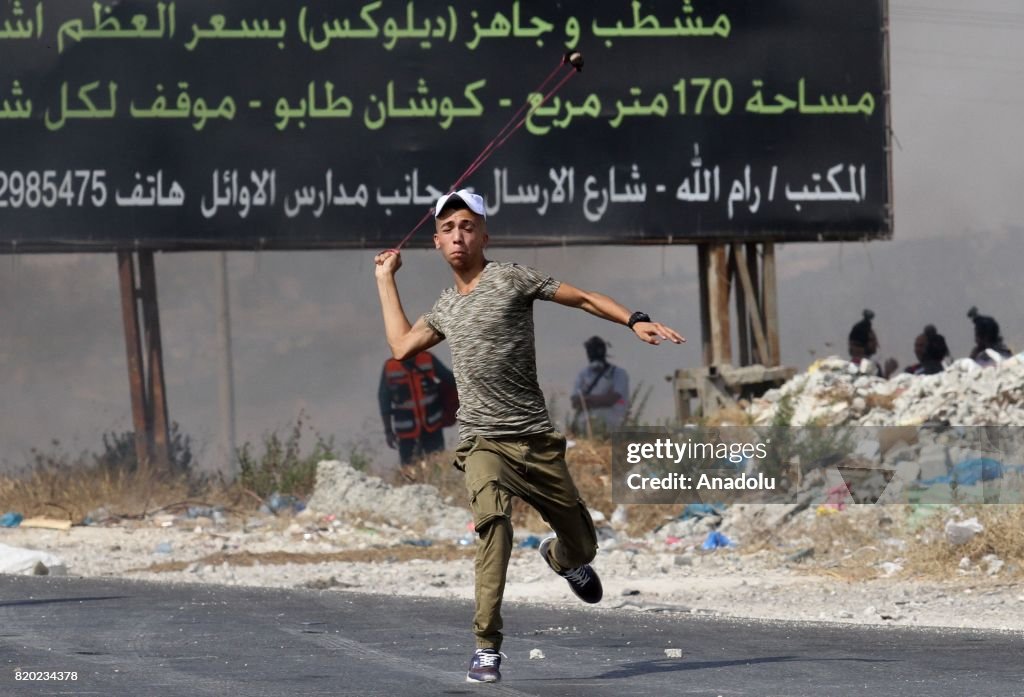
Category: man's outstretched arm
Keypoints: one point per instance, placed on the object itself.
(405, 340)
(607, 308)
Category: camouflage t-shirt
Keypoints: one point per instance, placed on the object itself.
(490, 333)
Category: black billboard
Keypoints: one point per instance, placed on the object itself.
(270, 124)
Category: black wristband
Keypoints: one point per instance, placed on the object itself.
(637, 317)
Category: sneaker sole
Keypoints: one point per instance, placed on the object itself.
(469, 679)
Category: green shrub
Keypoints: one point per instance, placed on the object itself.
(281, 466)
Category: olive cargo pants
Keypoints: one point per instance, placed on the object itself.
(533, 468)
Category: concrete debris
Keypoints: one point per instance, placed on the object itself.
(345, 491)
(832, 392)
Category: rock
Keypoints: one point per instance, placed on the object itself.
(342, 489)
(889, 568)
(868, 449)
(994, 564)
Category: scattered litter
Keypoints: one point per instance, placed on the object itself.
(282, 503)
(800, 555)
(164, 520)
(212, 512)
(46, 523)
(96, 516)
(837, 496)
(716, 540)
(673, 653)
(959, 532)
(30, 562)
(10, 520)
(418, 543)
(700, 510)
(537, 654)
(163, 548)
(970, 472)
(531, 542)
(630, 591)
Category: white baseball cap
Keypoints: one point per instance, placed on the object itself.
(474, 201)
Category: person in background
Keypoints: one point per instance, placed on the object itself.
(863, 345)
(600, 396)
(989, 348)
(931, 351)
(415, 405)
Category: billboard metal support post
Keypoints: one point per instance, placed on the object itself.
(145, 357)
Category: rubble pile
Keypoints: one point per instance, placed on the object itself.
(836, 392)
(342, 489)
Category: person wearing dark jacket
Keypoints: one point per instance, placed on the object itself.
(931, 351)
(989, 348)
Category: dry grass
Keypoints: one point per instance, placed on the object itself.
(850, 544)
(933, 556)
(69, 490)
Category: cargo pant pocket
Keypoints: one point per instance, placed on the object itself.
(488, 502)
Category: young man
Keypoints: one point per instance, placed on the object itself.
(507, 444)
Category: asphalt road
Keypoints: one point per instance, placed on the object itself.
(132, 639)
